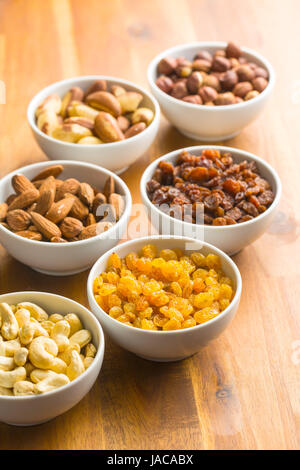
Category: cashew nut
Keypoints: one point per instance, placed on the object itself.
(22, 316)
(90, 350)
(74, 322)
(35, 311)
(30, 330)
(5, 391)
(43, 352)
(8, 348)
(9, 378)
(24, 387)
(76, 367)
(87, 361)
(10, 325)
(51, 382)
(81, 337)
(60, 334)
(55, 317)
(20, 356)
(66, 354)
(47, 325)
(40, 374)
(6, 363)
(29, 368)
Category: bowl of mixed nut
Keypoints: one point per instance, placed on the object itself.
(211, 90)
(225, 196)
(51, 352)
(102, 120)
(164, 298)
(58, 218)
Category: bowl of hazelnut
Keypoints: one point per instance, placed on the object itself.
(96, 119)
(211, 90)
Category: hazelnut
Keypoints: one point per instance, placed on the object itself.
(208, 93)
(252, 65)
(229, 80)
(242, 60)
(212, 81)
(238, 100)
(251, 94)
(234, 62)
(242, 88)
(202, 65)
(259, 83)
(203, 55)
(164, 83)
(179, 90)
(194, 99)
(166, 66)
(225, 99)
(194, 82)
(245, 73)
(220, 64)
(260, 72)
(220, 53)
(233, 50)
(183, 70)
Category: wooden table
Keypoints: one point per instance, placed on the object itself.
(242, 391)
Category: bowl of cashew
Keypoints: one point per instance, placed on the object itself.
(51, 352)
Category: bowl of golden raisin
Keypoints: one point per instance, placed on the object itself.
(164, 298)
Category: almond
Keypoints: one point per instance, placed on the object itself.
(44, 202)
(109, 187)
(79, 210)
(18, 219)
(99, 199)
(20, 183)
(48, 184)
(30, 235)
(58, 240)
(71, 227)
(71, 186)
(90, 220)
(45, 226)
(118, 203)
(10, 199)
(53, 170)
(3, 211)
(25, 199)
(59, 210)
(86, 194)
(95, 229)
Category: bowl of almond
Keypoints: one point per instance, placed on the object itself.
(59, 218)
(101, 120)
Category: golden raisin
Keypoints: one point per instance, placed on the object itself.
(167, 292)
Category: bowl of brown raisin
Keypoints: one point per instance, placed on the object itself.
(211, 90)
(224, 196)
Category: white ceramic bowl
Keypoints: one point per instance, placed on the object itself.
(116, 156)
(228, 238)
(209, 123)
(165, 346)
(37, 409)
(62, 259)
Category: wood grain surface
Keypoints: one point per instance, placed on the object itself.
(242, 391)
